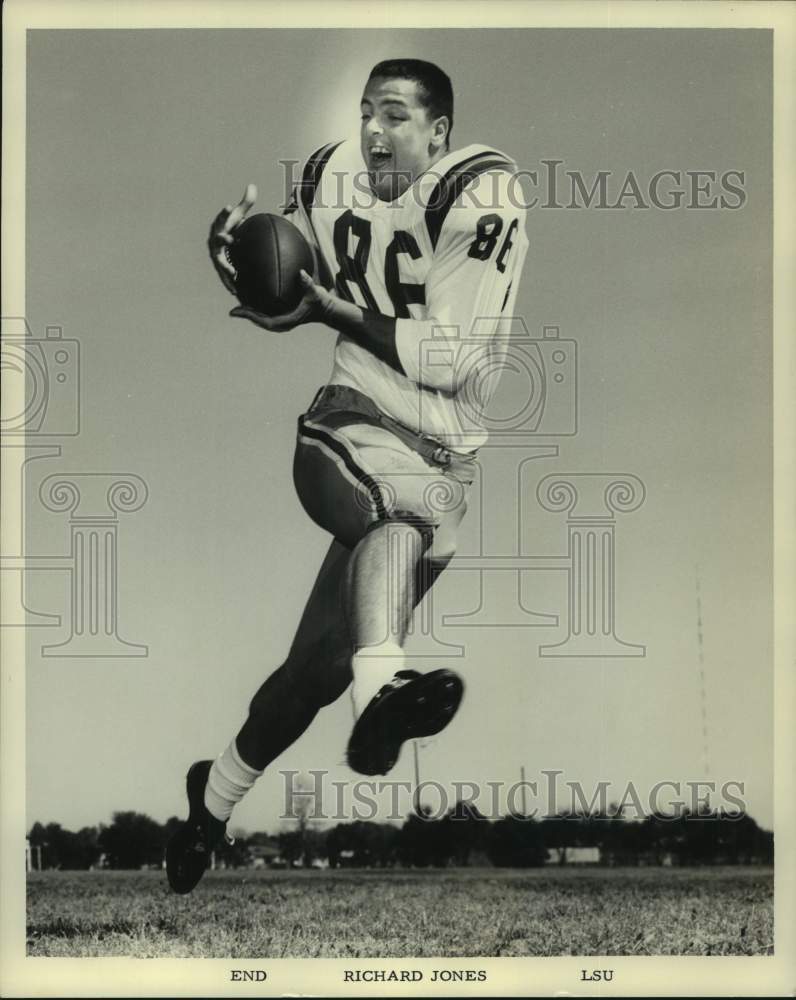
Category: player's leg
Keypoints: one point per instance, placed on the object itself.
(378, 600)
(318, 667)
(317, 670)
(408, 543)
(315, 673)
(398, 560)
(360, 600)
(379, 583)
(387, 578)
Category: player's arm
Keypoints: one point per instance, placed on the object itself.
(461, 288)
(371, 330)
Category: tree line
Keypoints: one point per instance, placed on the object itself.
(461, 837)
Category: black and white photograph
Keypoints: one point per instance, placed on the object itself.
(397, 543)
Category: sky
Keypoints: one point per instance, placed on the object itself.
(135, 140)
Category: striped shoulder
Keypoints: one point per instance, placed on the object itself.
(455, 179)
(313, 170)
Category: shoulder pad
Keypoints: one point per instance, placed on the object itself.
(311, 175)
(454, 181)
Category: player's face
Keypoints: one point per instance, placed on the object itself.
(399, 139)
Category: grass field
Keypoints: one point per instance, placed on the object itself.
(397, 913)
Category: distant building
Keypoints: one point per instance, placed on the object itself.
(575, 856)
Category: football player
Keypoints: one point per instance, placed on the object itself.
(419, 252)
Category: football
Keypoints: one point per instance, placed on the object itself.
(268, 254)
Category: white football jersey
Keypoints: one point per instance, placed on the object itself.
(444, 259)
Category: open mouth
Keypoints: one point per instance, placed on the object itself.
(380, 157)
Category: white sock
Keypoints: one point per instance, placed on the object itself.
(373, 667)
(228, 781)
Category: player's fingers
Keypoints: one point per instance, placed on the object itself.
(220, 220)
(239, 212)
(312, 289)
(242, 312)
(316, 299)
(226, 273)
(274, 324)
(217, 246)
(223, 264)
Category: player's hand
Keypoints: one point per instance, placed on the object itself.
(314, 307)
(221, 235)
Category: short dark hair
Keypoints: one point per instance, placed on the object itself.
(434, 86)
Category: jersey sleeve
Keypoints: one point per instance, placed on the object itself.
(470, 288)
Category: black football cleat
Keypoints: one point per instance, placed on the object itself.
(410, 706)
(188, 852)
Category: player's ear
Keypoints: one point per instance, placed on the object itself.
(439, 132)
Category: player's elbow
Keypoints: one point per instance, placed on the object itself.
(449, 369)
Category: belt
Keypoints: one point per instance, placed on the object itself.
(337, 405)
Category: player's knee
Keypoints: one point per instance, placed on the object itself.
(331, 682)
(407, 524)
(439, 556)
(444, 545)
(303, 685)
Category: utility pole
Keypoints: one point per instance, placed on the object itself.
(523, 790)
(703, 698)
(417, 779)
